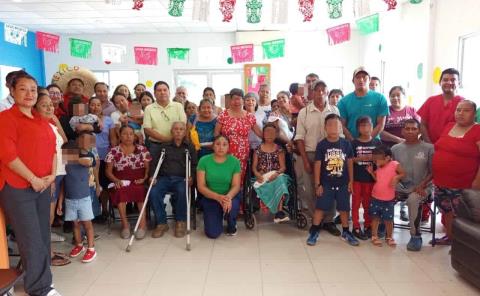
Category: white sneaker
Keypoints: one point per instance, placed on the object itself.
(55, 238)
(53, 292)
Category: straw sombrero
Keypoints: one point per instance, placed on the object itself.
(66, 73)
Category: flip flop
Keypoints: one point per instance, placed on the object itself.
(59, 261)
(391, 242)
(376, 241)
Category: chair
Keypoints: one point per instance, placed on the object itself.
(8, 279)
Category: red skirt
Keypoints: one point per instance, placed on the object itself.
(131, 193)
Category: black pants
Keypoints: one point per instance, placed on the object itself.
(29, 215)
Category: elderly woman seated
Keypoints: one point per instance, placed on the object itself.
(172, 178)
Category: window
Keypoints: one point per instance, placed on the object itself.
(469, 63)
(114, 78)
(4, 70)
(222, 81)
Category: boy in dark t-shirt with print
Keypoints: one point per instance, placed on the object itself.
(362, 180)
(333, 178)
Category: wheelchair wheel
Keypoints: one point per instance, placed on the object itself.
(250, 221)
(302, 220)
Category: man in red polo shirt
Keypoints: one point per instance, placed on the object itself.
(75, 88)
(439, 110)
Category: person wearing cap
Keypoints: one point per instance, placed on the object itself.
(310, 130)
(362, 102)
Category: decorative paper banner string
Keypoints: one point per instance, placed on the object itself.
(175, 8)
(306, 8)
(338, 34)
(145, 55)
(254, 11)
(279, 13)
(137, 4)
(242, 53)
(15, 34)
(416, 1)
(201, 10)
(368, 25)
(113, 53)
(46, 41)
(226, 8)
(80, 48)
(392, 4)
(273, 49)
(178, 54)
(334, 8)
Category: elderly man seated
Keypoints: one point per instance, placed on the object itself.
(415, 156)
(171, 178)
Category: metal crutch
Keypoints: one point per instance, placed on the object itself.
(157, 169)
(187, 195)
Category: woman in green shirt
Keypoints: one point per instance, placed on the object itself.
(218, 178)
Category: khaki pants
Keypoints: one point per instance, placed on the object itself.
(306, 190)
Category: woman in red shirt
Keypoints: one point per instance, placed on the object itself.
(28, 169)
(456, 162)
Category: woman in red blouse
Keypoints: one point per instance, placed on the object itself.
(28, 169)
(456, 162)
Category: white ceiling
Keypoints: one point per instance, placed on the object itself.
(100, 16)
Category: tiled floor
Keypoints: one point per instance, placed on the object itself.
(269, 260)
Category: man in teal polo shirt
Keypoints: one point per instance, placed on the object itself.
(362, 102)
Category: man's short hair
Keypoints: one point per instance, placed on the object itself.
(331, 116)
(411, 121)
(376, 78)
(100, 83)
(451, 71)
(319, 83)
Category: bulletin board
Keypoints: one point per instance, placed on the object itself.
(255, 75)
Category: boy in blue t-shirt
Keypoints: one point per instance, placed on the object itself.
(333, 178)
(78, 202)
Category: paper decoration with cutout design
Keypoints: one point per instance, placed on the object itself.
(201, 10)
(80, 48)
(334, 8)
(339, 34)
(254, 11)
(145, 55)
(178, 54)
(137, 4)
(392, 4)
(227, 8)
(274, 49)
(369, 24)
(242, 53)
(279, 13)
(46, 41)
(175, 8)
(113, 53)
(15, 34)
(306, 8)
(416, 1)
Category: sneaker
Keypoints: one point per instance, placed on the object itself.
(53, 292)
(160, 230)
(332, 229)
(404, 216)
(180, 228)
(140, 234)
(77, 250)
(125, 233)
(358, 233)
(55, 238)
(280, 217)
(350, 239)
(312, 238)
(89, 256)
(382, 230)
(415, 243)
(368, 232)
(232, 231)
(443, 241)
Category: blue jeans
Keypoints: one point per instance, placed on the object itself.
(175, 185)
(213, 216)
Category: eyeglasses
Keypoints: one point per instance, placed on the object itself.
(55, 93)
(165, 116)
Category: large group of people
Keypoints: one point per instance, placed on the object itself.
(64, 154)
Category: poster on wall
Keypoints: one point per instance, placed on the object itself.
(146, 55)
(255, 75)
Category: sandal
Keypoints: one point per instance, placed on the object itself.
(59, 261)
(391, 242)
(63, 255)
(376, 241)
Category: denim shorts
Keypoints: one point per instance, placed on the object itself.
(330, 194)
(383, 209)
(78, 209)
(447, 198)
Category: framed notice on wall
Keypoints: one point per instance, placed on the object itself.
(255, 75)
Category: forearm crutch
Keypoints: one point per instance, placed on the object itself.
(154, 178)
(188, 194)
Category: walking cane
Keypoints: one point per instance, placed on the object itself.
(154, 178)
(188, 195)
